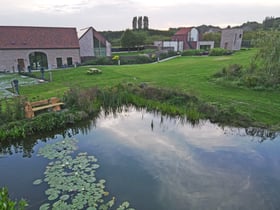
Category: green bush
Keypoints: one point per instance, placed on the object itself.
(192, 52)
(219, 52)
(137, 59)
(230, 72)
(101, 61)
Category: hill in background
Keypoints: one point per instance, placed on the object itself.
(270, 23)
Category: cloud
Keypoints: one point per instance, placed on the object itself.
(118, 14)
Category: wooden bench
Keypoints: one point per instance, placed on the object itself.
(32, 107)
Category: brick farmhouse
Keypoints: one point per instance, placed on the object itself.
(23, 47)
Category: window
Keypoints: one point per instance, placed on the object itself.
(69, 61)
(59, 62)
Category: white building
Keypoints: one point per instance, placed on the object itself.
(93, 44)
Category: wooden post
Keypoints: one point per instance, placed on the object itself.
(55, 100)
(28, 110)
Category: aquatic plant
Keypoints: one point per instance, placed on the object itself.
(7, 204)
(72, 181)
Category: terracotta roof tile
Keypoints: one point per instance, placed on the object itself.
(183, 31)
(25, 37)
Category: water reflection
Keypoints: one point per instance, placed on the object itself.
(160, 162)
(202, 167)
(25, 146)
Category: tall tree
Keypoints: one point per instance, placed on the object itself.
(140, 22)
(140, 37)
(146, 23)
(134, 23)
(268, 23)
(212, 36)
(128, 39)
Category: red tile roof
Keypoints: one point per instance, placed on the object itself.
(183, 31)
(25, 37)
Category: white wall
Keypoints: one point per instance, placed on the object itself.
(176, 45)
(86, 44)
(203, 43)
(194, 35)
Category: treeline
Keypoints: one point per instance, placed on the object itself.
(209, 32)
(150, 35)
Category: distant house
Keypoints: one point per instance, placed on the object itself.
(93, 44)
(189, 37)
(36, 47)
(231, 38)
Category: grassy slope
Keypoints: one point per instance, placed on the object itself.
(187, 74)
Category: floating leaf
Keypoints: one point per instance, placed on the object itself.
(52, 197)
(37, 181)
(64, 197)
(91, 208)
(74, 175)
(45, 206)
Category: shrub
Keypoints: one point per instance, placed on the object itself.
(232, 71)
(81, 99)
(101, 61)
(193, 52)
(139, 59)
(219, 52)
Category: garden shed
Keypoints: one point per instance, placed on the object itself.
(232, 38)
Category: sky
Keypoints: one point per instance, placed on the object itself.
(117, 15)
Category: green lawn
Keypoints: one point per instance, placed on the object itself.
(187, 74)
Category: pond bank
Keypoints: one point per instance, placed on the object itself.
(91, 101)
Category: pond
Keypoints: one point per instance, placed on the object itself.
(156, 162)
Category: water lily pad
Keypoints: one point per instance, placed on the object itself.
(51, 191)
(91, 208)
(64, 197)
(45, 206)
(37, 181)
(74, 175)
(52, 197)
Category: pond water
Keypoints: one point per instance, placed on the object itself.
(160, 163)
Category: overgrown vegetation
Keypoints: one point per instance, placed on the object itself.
(140, 57)
(194, 52)
(7, 204)
(82, 103)
(263, 72)
(219, 52)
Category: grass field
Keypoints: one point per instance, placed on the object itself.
(190, 75)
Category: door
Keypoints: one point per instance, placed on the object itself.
(59, 62)
(226, 46)
(20, 65)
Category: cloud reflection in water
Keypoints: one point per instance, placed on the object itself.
(197, 167)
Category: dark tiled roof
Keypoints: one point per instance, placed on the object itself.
(25, 37)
